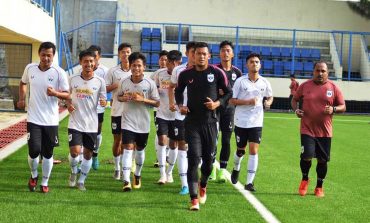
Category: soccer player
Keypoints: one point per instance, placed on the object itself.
(179, 125)
(165, 119)
(248, 94)
(101, 71)
(293, 87)
(319, 99)
(226, 114)
(203, 83)
(136, 93)
(163, 59)
(87, 91)
(113, 78)
(47, 83)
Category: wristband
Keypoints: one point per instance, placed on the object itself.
(334, 109)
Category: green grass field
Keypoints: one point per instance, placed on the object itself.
(346, 187)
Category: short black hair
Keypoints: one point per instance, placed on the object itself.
(201, 45)
(95, 48)
(135, 56)
(163, 53)
(320, 61)
(47, 45)
(174, 55)
(124, 45)
(84, 53)
(190, 45)
(226, 43)
(253, 55)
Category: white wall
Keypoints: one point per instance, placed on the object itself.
(27, 19)
(291, 14)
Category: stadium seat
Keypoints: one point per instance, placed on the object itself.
(146, 46)
(287, 67)
(256, 49)
(267, 66)
(244, 51)
(316, 54)
(215, 49)
(305, 53)
(156, 46)
(275, 52)
(184, 59)
(265, 51)
(308, 67)
(285, 52)
(156, 33)
(154, 59)
(297, 52)
(145, 33)
(298, 66)
(216, 60)
(278, 68)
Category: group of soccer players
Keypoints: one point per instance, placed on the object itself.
(193, 102)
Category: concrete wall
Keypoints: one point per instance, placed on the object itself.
(293, 14)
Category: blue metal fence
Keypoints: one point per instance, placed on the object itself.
(46, 5)
(284, 51)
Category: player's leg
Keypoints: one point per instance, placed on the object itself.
(226, 127)
(49, 141)
(141, 140)
(254, 138)
(182, 160)
(128, 140)
(173, 151)
(95, 160)
(241, 142)
(162, 132)
(307, 153)
(75, 144)
(116, 148)
(34, 136)
(323, 156)
(89, 143)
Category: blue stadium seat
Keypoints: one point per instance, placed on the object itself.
(306, 53)
(285, 52)
(265, 51)
(216, 60)
(215, 48)
(256, 49)
(156, 33)
(297, 52)
(298, 66)
(156, 46)
(316, 54)
(146, 46)
(145, 33)
(308, 67)
(240, 64)
(244, 51)
(267, 66)
(287, 67)
(154, 59)
(278, 68)
(275, 52)
(184, 59)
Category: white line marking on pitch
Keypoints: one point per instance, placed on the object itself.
(261, 209)
(335, 120)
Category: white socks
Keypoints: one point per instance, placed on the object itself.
(117, 160)
(85, 168)
(252, 168)
(33, 163)
(161, 157)
(73, 162)
(100, 139)
(182, 165)
(139, 158)
(47, 166)
(126, 164)
(237, 161)
(172, 156)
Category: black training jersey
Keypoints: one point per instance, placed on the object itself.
(200, 85)
(231, 75)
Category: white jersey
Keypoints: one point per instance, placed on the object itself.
(44, 109)
(135, 115)
(101, 71)
(116, 75)
(174, 77)
(85, 96)
(153, 76)
(163, 80)
(250, 116)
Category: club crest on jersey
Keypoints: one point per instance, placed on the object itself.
(32, 76)
(95, 88)
(233, 76)
(50, 79)
(329, 93)
(210, 77)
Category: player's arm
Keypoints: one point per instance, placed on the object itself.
(223, 85)
(59, 94)
(179, 97)
(268, 102)
(22, 95)
(171, 97)
(294, 103)
(235, 100)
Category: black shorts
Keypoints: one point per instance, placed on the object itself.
(41, 138)
(226, 121)
(245, 135)
(155, 117)
(179, 130)
(202, 140)
(315, 147)
(116, 124)
(101, 117)
(86, 139)
(165, 127)
(130, 137)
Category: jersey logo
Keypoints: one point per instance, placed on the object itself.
(237, 139)
(95, 88)
(70, 137)
(56, 140)
(32, 76)
(329, 93)
(233, 76)
(28, 136)
(191, 81)
(50, 78)
(75, 86)
(210, 78)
